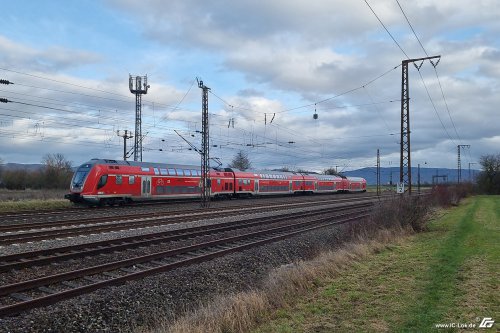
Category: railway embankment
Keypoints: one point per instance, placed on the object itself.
(442, 279)
(164, 301)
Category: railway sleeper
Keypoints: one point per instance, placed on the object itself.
(128, 270)
(142, 266)
(70, 284)
(110, 274)
(91, 279)
(21, 297)
(47, 290)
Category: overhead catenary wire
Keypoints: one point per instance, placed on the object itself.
(435, 70)
(382, 23)
(418, 69)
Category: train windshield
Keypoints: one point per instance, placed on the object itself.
(80, 175)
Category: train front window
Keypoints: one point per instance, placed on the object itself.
(80, 175)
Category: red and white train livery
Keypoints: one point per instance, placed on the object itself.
(102, 181)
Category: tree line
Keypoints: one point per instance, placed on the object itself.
(55, 173)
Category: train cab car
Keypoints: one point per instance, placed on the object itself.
(102, 181)
(356, 184)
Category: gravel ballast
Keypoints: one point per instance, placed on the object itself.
(140, 303)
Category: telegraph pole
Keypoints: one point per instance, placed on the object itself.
(205, 147)
(138, 85)
(405, 152)
(459, 166)
(125, 136)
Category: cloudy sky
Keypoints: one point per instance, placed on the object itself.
(271, 65)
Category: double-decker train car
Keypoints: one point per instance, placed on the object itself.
(103, 181)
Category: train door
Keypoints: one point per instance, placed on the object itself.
(291, 186)
(146, 186)
(256, 186)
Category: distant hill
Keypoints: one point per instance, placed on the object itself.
(426, 174)
(19, 166)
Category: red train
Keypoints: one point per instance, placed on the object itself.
(102, 181)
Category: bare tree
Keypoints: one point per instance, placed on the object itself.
(330, 171)
(489, 179)
(57, 171)
(241, 161)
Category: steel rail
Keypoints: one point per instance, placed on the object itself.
(218, 248)
(48, 256)
(139, 222)
(12, 227)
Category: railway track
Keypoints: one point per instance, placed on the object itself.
(46, 290)
(36, 231)
(49, 256)
(158, 207)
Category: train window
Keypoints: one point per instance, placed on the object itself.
(193, 173)
(218, 181)
(231, 186)
(157, 172)
(145, 169)
(118, 179)
(131, 180)
(163, 172)
(187, 172)
(171, 172)
(102, 181)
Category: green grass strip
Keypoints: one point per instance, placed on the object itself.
(439, 286)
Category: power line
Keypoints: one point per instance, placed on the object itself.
(414, 33)
(79, 86)
(435, 70)
(434, 107)
(386, 29)
(63, 82)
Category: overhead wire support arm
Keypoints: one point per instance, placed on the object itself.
(405, 147)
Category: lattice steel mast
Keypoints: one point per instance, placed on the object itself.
(139, 88)
(405, 152)
(205, 147)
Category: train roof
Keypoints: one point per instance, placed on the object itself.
(142, 164)
(356, 179)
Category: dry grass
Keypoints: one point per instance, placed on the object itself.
(25, 200)
(21, 195)
(242, 311)
(30, 205)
